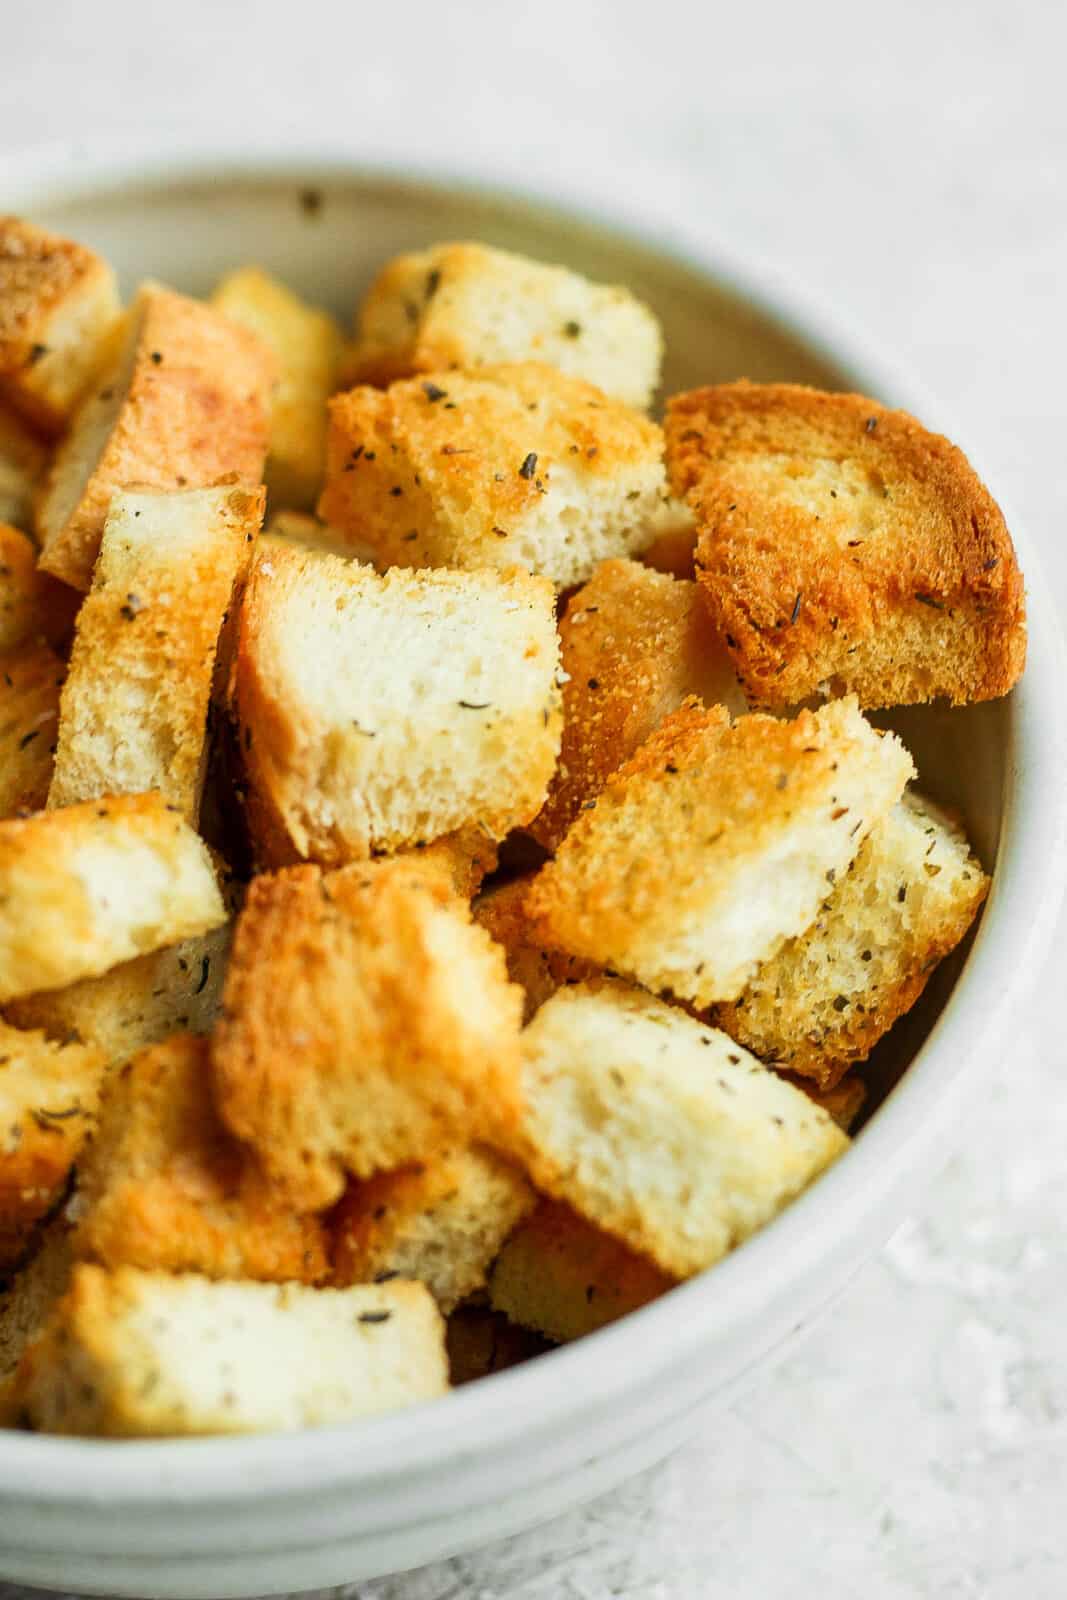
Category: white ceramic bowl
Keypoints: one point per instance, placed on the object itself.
(248, 1517)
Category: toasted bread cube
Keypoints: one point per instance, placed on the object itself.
(22, 460)
(844, 549)
(27, 1297)
(165, 1186)
(660, 1130)
(827, 997)
(508, 466)
(144, 1354)
(716, 844)
(184, 403)
(87, 887)
(465, 305)
(58, 303)
(634, 644)
(174, 990)
(367, 1023)
(135, 705)
(461, 860)
(674, 547)
(539, 972)
(442, 1221)
(563, 1277)
(31, 679)
(32, 605)
(308, 345)
(481, 1341)
(49, 1095)
(843, 1102)
(382, 712)
(308, 533)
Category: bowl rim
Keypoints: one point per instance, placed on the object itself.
(901, 1141)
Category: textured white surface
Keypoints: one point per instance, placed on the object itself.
(908, 161)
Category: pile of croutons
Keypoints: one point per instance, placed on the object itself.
(438, 924)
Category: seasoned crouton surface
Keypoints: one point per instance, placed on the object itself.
(135, 704)
(828, 996)
(512, 465)
(844, 546)
(661, 1130)
(382, 712)
(465, 305)
(367, 1022)
(715, 844)
(165, 1185)
(88, 887)
(634, 645)
(133, 1353)
(185, 403)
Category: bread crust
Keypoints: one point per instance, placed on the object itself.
(844, 546)
(22, 461)
(58, 302)
(186, 404)
(134, 710)
(322, 1062)
(32, 605)
(31, 680)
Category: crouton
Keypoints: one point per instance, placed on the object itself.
(844, 548)
(843, 1102)
(144, 1354)
(174, 990)
(28, 1295)
(441, 1221)
(30, 682)
(49, 1094)
(58, 303)
(481, 1341)
(134, 711)
(22, 460)
(307, 532)
(324, 1064)
(716, 844)
(87, 887)
(634, 644)
(826, 998)
(565, 1278)
(509, 466)
(660, 1130)
(32, 605)
(382, 712)
(461, 860)
(465, 305)
(184, 404)
(308, 344)
(539, 972)
(165, 1186)
(674, 547)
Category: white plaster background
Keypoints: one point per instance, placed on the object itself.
(909, 161)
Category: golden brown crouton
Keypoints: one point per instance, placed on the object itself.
(465, 305)
(308, 533)
(165, 1186)
(184, 404)
(131, 1353)
(22, 460)
(674, 548)
(366, 1024)
(826, 998)
(58, 303)
(134, 710)
(462, 860)
(539, 972)
(564, 1277)
(716, 844)
(844, 548)
(843, 1102)
(30, 682)
(307, 344)
(482, 1341)
(509, 466)
(27, 1296)
(378, 713)
(174, 990)
(32, 605)
(661, 1130)
(49, 1094)
(633, 645)
(87, 887)
(442, 1221)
